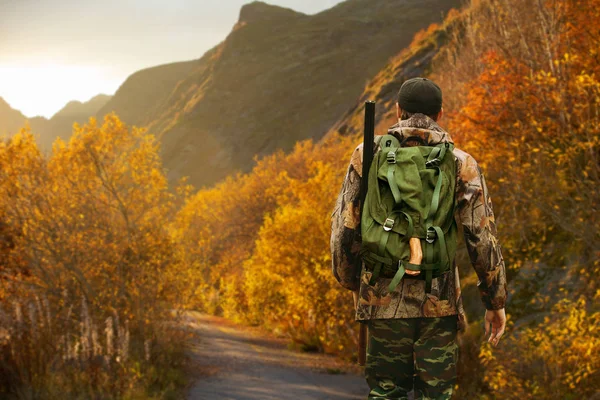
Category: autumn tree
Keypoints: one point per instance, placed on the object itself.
(90, 228)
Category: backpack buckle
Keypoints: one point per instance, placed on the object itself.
(431, 235)
(433, 163)
(391, 157)
(388, 224)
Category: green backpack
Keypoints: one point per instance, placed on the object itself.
(410, 195)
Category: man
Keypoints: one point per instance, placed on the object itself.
(412, 332)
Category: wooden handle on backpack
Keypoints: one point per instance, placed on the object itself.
(416, 255)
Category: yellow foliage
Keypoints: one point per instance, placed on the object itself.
(88, 228)
(558, 355)
(522, 87)
(288, 278)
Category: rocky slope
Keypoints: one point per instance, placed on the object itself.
(417, 60)
(279, 77)
(11, 120)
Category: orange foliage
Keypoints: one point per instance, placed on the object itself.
(424, 34)
(527, 90)
(90, 227)
(244, 239)
(558, 360)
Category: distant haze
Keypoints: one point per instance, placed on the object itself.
(55, 51)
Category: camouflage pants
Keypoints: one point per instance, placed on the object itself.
(412, 353)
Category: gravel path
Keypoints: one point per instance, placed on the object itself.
(239, 364)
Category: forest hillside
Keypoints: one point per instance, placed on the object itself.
(273, 81)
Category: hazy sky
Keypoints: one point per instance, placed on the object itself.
(54, 51)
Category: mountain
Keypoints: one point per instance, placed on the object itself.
(279, 77)
(76, 109)
(10, 120)
(61, 123)
(416, 60)
(145, 93)
(47, 130)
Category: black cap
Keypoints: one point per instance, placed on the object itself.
(420, 95)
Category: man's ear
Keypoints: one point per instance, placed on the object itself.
(398, 111)
(440, 114)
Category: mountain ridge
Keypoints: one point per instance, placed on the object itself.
(11, 120)
(279, 77)
(259, 11)
(59, 125)
(415, 61)
(76, 108)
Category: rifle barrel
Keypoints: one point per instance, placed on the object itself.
(368, 144)
(369, 137)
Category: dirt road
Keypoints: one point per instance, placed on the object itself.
(239, 364)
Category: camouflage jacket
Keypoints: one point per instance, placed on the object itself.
(409, 300)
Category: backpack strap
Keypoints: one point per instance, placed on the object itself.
(389, 146)
(402, 267)
(435, 234)
(388, 142)
(437, 155)
(387, 228)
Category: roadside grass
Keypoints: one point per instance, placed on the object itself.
(47, 353)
